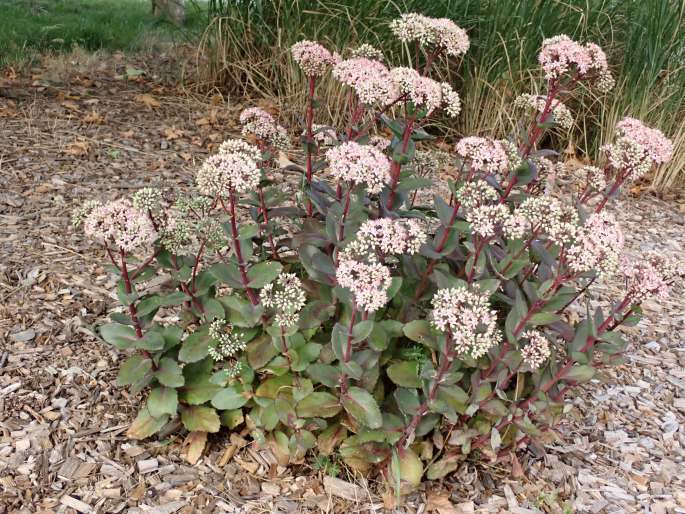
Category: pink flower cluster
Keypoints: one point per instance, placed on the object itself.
(560, 56)
(313, 58)
(433, 32)
(121, 225)
(262, 125)
(359, 165)
(368, 281)
(483, 154)
(426, 93)
(650, 275)
(393, 236)
(547, 215)
(656, 144)
(598, 245)
(370, 80)
(239, 146)
(225, 172)
(561, 115)
(468, 318)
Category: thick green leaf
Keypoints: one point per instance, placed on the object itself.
(198, 389)
(544, 318)
(169, 373)
(198, 418)
(133, 369)
(162, 400)
(232, 418)
(151, 341)
(145, 425)
(324, 373)
(417, 330)
(318, 405)
(405, 373)
(263, 273)
(229, 398)
(270, 387)
(227, 273)
(121, 336)
(195, 347)
(260, 351)
(580, 374)
(362, 407)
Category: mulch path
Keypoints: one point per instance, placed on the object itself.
(63, 420)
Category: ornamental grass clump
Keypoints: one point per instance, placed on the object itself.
(355, 320)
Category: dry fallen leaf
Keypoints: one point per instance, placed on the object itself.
(148, 100)
(172, 133)
(93, 117)
(77, 148)
(440, 503)
(193, 446)
(71, 106)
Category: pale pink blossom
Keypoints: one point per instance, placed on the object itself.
(657, 145)
(225, 172)
(598, 245)
(425, 92)
(468, 318)
(360, 165)
(393, 236)
(313, 58)
(263, 126)
(650, 275)
(121, 225)
(483, 154)
(368, 281)
(370, 80)
(432, 32)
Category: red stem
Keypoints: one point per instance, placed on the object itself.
(346, 210)
(238, 252)
(396, 166)
(129, 289)
(310, 139)
(262, 204)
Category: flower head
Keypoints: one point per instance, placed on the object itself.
(561, 56)
(393, 236)
(359, 164)
(547, 215)
(286, 296)
(468, 319)
(426, 93)
(370, 79)
(594, 177)
(432, 32)
(147, 199)
(656, 144)
(176, 234)
(598, 245)
(483, 154)
(368, 280)
(226, 341)
(120, 224)
(537, 350)
(313, 58)
(239, 146)
(262, 126)
(225, 172)
(650, 275)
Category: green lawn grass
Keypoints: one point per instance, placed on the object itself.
(31, 27)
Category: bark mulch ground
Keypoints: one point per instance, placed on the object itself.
(62, 419)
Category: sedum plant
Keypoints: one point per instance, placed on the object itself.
(357, 320)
